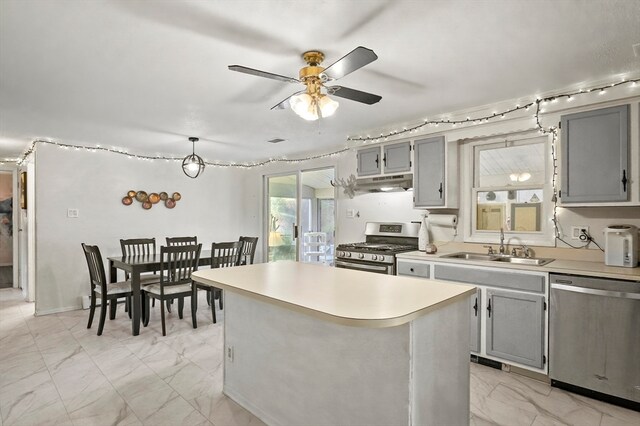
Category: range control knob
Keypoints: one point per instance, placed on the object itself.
(340, 254)
(381, 258)
(361, 255)
(374, 257)
(347, 254)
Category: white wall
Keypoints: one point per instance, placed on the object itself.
(94, 183)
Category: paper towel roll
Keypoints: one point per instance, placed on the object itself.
(450, 220)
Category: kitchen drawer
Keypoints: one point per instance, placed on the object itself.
(479, 276)
(413, 269)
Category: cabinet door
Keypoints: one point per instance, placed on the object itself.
(474, 329)
(397, 157)
(595, 164)
(369, 161)
(515, 327)
(428, 172)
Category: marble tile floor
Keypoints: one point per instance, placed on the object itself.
(53, 370)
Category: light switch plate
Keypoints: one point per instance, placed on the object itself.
(72, 213)
(351, 213)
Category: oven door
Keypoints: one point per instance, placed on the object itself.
(365, 266)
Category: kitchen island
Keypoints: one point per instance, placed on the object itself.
(314, 345)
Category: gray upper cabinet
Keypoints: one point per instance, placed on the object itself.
(369, 161)
(515, 327)
(595, 156)
(429, 172)
(397, 157)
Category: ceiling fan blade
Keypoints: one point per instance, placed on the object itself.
(354, 95)
(246, 70)
(284, 104)
(357, 58)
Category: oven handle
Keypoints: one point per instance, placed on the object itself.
(361, 266)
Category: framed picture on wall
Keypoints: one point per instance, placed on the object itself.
(23, 190)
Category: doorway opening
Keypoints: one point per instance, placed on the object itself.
(6, 229)
(300, 216)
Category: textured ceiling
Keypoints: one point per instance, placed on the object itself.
(145, 75)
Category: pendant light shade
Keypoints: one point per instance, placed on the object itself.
(193, 164)
(312, 107)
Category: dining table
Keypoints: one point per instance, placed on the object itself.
(136, 265)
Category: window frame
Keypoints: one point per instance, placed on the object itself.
(471, 154)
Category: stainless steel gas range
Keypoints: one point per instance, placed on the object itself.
(378, 253)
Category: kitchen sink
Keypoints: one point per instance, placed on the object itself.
(499, 258)
(470, 256)
(525, 260)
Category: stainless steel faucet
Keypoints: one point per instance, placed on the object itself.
(502, 249)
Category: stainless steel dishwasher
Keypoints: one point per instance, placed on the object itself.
(594, 339)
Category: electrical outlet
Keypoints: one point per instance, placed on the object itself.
(230, 353)
(351, 213)
(576, 231)
(72, 213)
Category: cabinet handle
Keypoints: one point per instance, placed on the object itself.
(295, 231)
(440, 190)
(624, 180)
(377, 161)
(475, 307)
(489, 308)
(384, 160)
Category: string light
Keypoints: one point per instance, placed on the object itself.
(118, 151)
(364, 139)
(497, 114)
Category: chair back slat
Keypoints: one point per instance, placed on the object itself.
(138, 247)
(181, 241)
(177, 263)
(224, 255)
(248, 249)
(97, 276)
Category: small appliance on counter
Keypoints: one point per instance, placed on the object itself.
(621, 246)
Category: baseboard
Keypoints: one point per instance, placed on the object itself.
(626, 403)
(57, 310)
(240, 400)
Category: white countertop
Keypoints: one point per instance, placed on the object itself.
(339, 295)
(560, 266)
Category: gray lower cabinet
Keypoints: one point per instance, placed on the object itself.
(474, 329)
(368, 161)
(595, 156)
(515, 327)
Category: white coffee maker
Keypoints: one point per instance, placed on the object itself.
(621, 246)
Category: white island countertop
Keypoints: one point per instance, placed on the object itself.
(342, 296)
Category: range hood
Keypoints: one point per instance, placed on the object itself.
(385, 183)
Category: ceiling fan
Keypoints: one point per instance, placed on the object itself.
(311, 103)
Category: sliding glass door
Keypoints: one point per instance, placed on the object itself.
(300, 216)
(282, 208)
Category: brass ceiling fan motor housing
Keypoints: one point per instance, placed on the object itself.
(310, 74)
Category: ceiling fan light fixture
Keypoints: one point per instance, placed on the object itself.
(327, 106)
(193, 164)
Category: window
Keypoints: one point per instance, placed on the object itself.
(511, 190)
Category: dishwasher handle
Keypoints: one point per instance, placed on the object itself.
(596, 292)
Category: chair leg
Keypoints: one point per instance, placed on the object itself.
(164, 329)
(112, 309)
(194, 306)
(92, 308)
(127, 306)
(103, 314)
(213, 311)
(180, 307)
(220, 299)
(153, 303)
(168, 303)
(147, 309)
(208, 297)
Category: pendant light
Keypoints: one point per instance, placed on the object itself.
(193, 164)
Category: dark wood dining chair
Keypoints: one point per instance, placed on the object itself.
(223, 255)
(176, 265)
(140, 247)
(181, 241)
(248, 250)
(107, 292)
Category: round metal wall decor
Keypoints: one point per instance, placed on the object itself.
(147, 200)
